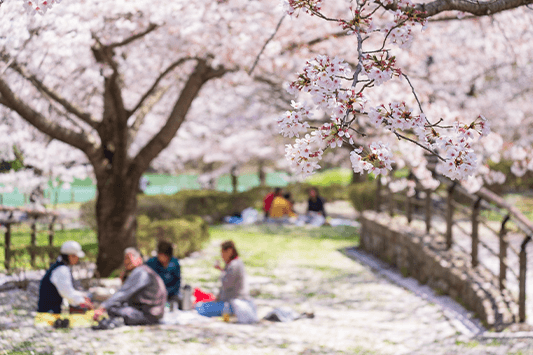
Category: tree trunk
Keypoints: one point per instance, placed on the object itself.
(234, 179)
(358, 178)
(116, 208)
(261, 173)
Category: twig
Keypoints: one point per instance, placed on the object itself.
(401, 136)
(266, 43)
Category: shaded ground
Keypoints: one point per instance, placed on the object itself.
(356, 311)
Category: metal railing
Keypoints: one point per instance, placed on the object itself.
(457, 208)
(12, 215)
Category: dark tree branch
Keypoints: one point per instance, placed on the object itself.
(51, 128)
(295, 46)
(156, 82)
(139, 119)
(201, 74)
(84, 116)
(401, 136)
(264, 46)
(477, 8)
(127, 41)
(521, 93)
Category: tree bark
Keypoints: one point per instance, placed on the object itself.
(261, 173)
(476, 8)
(116, 208)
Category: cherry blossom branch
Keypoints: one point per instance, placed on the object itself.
(266, 43)
(314, 41)
(49, 127)
(414, 94)
(521, 93)
(150, 91)
(401, 136)
(477, 8)
(139, 119)
(127, 41)
(84, 116)
(201, 74)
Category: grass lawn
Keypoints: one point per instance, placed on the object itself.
(260, 246)
(265, 248)
(341, 176)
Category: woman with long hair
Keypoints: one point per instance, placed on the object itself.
(234, 295)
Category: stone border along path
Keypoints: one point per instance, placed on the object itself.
(357, 311)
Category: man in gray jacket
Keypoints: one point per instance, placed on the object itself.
(141, 299)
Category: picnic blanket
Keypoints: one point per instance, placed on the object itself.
(76, 320)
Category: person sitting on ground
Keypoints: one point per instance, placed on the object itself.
(234, 293)
(269, 198)
(281, 209)
(168, 268)
(141, 299)
(289, 198)
(316, 213)
(57, 283)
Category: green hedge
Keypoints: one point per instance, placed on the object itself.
(188, 234)
(212, 205)
(363, 195)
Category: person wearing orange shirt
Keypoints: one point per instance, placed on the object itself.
(281, 209)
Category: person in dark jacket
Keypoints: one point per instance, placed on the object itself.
(168, 268)
(315, 202)
(57, 282)
(141, 299)
(316, 213)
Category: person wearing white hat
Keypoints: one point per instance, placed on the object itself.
(57, 282)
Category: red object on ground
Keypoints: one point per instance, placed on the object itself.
(201, 296)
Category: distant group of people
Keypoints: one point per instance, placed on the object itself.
(146, 288)
(278, 207)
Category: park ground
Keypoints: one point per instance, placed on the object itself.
(356, 311)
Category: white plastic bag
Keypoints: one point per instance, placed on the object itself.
(249, 216)
(245, 311)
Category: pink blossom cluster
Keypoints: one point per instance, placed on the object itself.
(403, 184)
(321, 76)
(39, 6)
(460, 160)
(380, 69)
(291, 124)
(378, 160)
(332, 134)
(309, 6)
(303, 156)
(399, 31)
(522, 159)
(322, 79)
(359, 23)
(396, 116)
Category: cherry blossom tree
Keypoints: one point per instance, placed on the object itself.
(116, 80)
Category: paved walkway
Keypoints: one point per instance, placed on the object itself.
(357, 311)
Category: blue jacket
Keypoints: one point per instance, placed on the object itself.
(171, 275)
(49, 298)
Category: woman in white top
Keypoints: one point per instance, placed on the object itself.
(57, 283)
